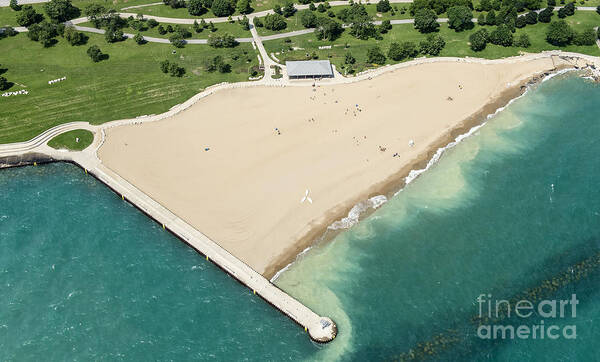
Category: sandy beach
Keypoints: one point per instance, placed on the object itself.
(236, 164)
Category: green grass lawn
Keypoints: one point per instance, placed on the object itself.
(234, 29)
(128, 84)
(75, 140)
(456, 43)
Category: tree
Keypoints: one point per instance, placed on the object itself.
(546, 15)
(139, 39)
(175, 70)
(361, 26)
(152, 23)
(27, 16)
(95, 53)
(521, 22)
(10, 31)
(197, 28)
(243, 6)
(161, 30)
(195, 7)
(73, 36)
(400, 51)
(481, 19)
(426, 21)
(490, 18)
(598, 9)
(4, 84)
(288, 9)
(61, 10)
(478, 40)
(224, 41)
(432, 45)
(308, 19)
(170, 28)
(177, 40)
(164, 66)
(184, 32)
(275, 22)
(569, 9)
(375, 56)
(258, 23)
(586, 37)
(531, 18)
(383, 6)
(460, 18)
(349, 58)
(385, 26)
(328, 29)
(501, 36)
(43, 32)
(522, 41)
(245, 23)
(114, 35)
(95, 13)
(14, 5)
(321, 8)
(559, 33)
(222, 7)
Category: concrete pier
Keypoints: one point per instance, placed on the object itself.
(320, 329)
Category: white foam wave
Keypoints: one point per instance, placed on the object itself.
(354, 214)
(290, 264)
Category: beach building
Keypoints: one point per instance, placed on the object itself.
(308, 69)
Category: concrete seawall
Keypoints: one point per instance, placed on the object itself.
(320, 329)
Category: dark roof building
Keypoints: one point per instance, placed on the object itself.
(305, 69)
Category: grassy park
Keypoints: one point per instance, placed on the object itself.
(127, 84)
(75, 140)
(457, 43)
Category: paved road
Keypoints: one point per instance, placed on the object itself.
(22, 2)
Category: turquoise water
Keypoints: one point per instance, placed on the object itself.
(84, 275)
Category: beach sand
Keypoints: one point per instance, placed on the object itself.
(268, 145)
